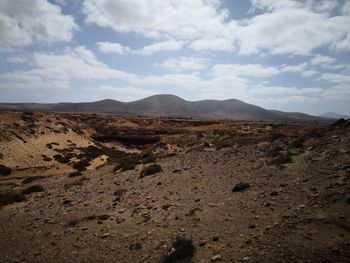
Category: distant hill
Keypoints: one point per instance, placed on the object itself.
(334, 115)
(172, 106)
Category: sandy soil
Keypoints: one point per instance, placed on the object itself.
(296, 209)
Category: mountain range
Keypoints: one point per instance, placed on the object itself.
(334, 115)
(172, 106)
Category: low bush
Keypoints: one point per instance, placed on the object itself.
(272, 136)
(78, 182)
(282, 158)
(35, 188)
(4, 170)
(273, 151)
(126, 163)
(74, 174)
(46, 158)
(72, 222)
(297, 143)
(81, 165)
(31, 179)
(182, 249)
(119, 193)
(11, 196)
(150, 169)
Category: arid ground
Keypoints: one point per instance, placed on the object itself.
(90, 188)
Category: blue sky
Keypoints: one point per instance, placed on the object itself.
(286, 55)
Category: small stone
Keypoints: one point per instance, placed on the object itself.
(103, 217)
(216, 237)
(274, 193)
(150, 170)
(241, 187)
(105, 235)
(246, 259)
(216, 258)
(67, 201)
(202, 243)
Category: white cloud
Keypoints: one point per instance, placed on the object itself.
(293, 27)
(22, 23)
(178, 19)
(56, 71)
(280, 27)
(346, 8)
(284, 91)
(245, 70)
(273, 5)
(184, 63)
(320, 59)
(336, 78)
(170, 45)
(108, 47)
(300, 68)
(339, 92)
(16, 59)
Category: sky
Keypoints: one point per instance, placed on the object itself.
(290, 55)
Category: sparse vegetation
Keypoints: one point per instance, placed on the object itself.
(150, 169)
(81, 165)
(49, 146)
(46, 158)
(297, 143)
(282, 158)
(11, 196)
(30, 179)
(28, 116)
(75, 174)
(72, 222)
(273, 151)
(119, 193)
(182, 249)
(33, 189)
(272, 136)
(78, 182)
(4, 170)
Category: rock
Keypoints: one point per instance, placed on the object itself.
(216, 237)
(299, 207)
(66, 201)
(216, 258)
(75, 174)
(105, 235)
(4, 170)
(252, 226)
(274, 193)
(150, 170)
(166, 206)
(103, 217)
(240, 187)
(202, 243)
(246, 259)
(135, 246)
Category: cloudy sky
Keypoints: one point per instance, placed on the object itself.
(287, 55)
